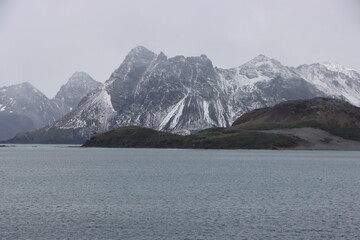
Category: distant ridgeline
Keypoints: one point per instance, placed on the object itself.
(23, 107)
(183, 95)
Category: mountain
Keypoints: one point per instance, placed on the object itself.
(334, 80)
(322, 123)
(23, 107)
(77, 87)
(322, 111)
(262, 82)
(185, 94)
(319, 123)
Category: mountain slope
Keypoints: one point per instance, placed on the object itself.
(333, 115)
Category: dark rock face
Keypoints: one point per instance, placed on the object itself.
(185, 94)
(168, 94)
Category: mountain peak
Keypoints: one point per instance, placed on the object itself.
(139, 54)
(262, 67)
(262, 60)
(161, 56)
(202, 59)
(140, 51)
(79, 74)
(261, 57)
(78, 77)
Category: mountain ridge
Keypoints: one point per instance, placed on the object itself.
(184, 94)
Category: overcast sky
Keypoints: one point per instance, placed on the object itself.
(45, 41)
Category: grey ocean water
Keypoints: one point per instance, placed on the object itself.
(50, 192)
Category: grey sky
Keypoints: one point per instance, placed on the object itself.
(45, 41)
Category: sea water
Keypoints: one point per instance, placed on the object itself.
(57, 192)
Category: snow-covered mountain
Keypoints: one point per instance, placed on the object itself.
(262, 82)
(334, 80)
(78, 85)
(153, 91)
(23, 107)
(184, 94)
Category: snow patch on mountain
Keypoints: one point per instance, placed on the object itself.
(172, 118)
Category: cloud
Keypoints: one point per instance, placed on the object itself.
(45, 41)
